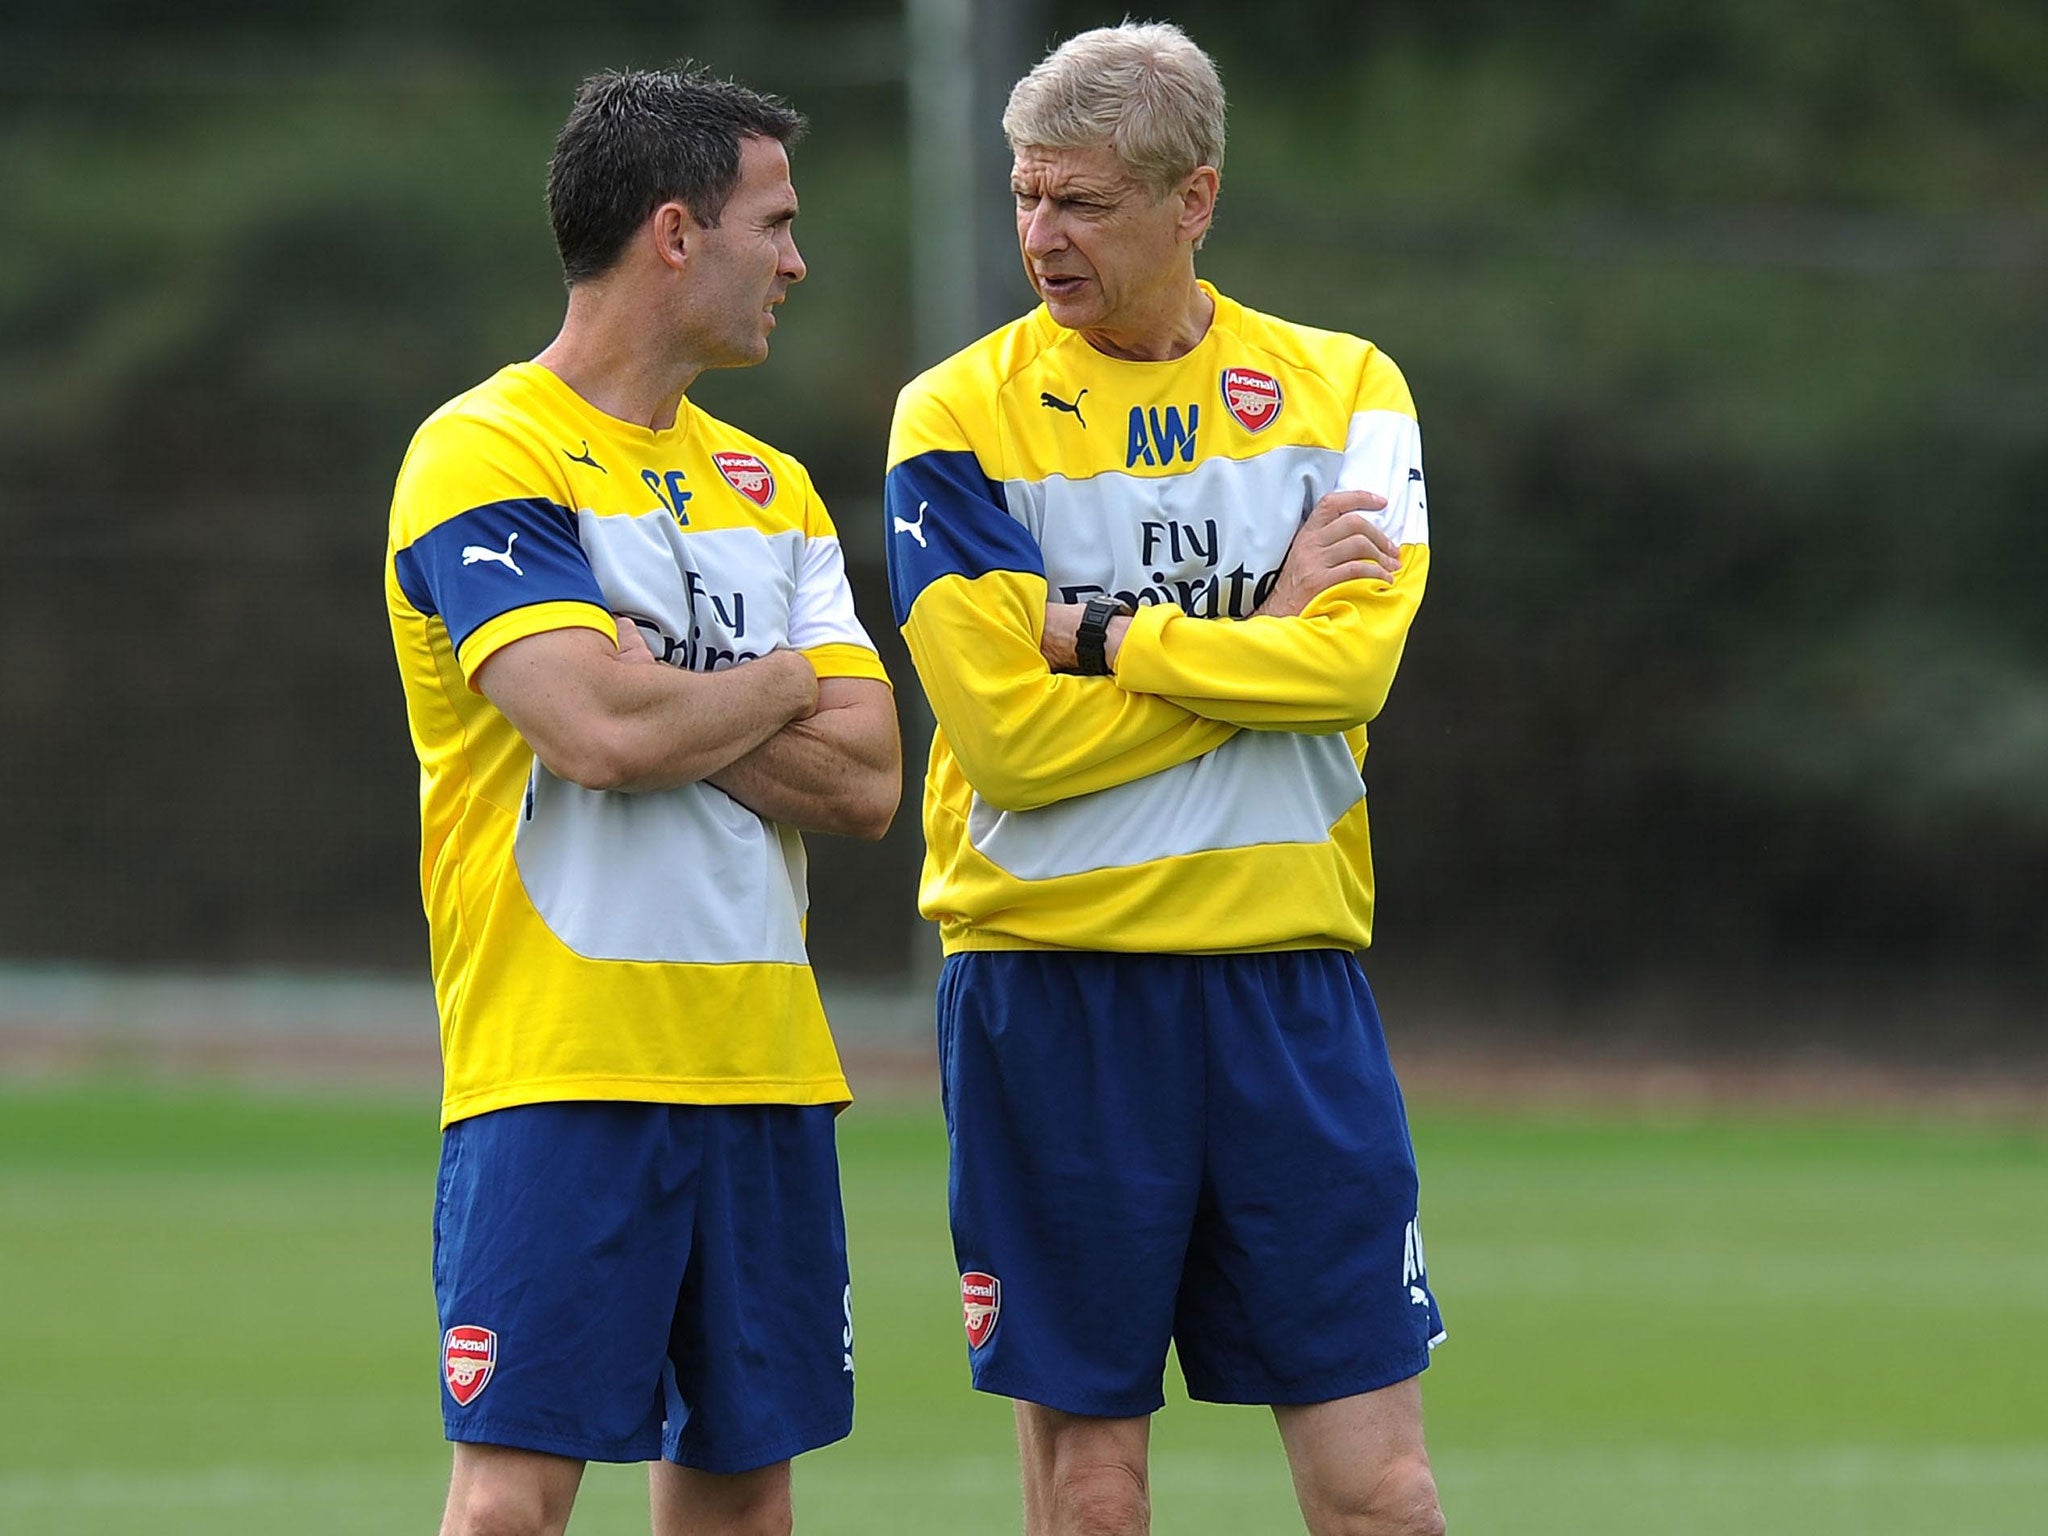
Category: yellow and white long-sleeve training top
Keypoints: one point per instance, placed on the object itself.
(593, 945)
(1209, 796)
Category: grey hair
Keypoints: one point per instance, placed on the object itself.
(1143, 88)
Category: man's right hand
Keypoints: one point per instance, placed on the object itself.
(1337, 542)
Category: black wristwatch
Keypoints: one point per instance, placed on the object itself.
(1093, 634)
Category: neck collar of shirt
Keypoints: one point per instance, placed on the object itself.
(542, 378)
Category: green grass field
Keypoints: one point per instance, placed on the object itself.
(215, 1316)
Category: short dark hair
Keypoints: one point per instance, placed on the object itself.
(638, 138)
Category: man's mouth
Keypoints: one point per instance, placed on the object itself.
(1060, 285)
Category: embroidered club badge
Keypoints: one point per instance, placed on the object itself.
(469, 1356)
(1252, 397)
(981, 1302)
(745, 473)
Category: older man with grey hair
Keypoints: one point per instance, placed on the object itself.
(1156, 556)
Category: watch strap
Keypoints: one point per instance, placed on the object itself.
(1091, 638)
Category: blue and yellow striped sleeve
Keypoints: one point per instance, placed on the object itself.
(478, 544)
(1330, 667)
(967, 583)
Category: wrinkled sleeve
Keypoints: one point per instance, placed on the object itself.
(1330, 667)
(967, 583)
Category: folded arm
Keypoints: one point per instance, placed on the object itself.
(1320, 653)
(1024, 735)
(1327, 669)
(968, 586)
(839, 769)
(609, 719)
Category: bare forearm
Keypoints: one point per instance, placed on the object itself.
(663, 736)
(612, 718)
(839, 770)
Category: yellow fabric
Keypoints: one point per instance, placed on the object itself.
(841, 660)
(524, 1016)
(493, 635)
(1014, 737)
(1327, 669)
(1026, 736)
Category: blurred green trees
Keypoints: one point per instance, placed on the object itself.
(1728, 326)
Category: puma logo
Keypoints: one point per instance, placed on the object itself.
(1047, 398)
(585, 458)
(1414, 1267)
(472, 553)
(916, 529)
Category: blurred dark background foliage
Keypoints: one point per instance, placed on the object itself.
(1727, 324)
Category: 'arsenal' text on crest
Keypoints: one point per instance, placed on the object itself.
(745, 473)
(469, 1358)
(1252, 397)
(981, 1301)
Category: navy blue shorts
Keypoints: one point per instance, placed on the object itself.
(1210, 1150)
(618, 1282)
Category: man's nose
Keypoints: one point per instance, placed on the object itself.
(793, 267)
(1043, 232)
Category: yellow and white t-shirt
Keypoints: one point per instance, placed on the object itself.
(593, 945)
(1209, 796)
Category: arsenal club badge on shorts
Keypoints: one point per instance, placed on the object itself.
(1252, 397)
(468, 1357)
(745, 473)
(981, 1301)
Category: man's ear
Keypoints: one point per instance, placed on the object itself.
(1198, 202)
(674, 233)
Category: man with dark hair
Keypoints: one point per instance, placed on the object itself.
(633, 675)
(639, 138)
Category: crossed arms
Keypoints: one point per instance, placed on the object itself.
(818, 754)
(823, 755)
(1336, 543)
(1318, 656)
